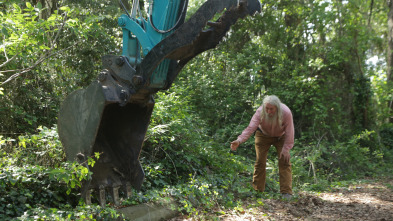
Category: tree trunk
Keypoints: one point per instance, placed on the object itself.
(390, 55)
(292, 21)
(50, 5)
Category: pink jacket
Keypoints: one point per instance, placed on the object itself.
(287, 127)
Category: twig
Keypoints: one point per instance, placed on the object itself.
(312, 163)
(171, 160)
(313, 171)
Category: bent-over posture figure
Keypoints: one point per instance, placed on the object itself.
(273, 124)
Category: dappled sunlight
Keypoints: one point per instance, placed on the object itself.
(361, 198)
(363, 193)
(373, 201)
(360, 202)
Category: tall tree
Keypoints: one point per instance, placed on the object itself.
(389, 76)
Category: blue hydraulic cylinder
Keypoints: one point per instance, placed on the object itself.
(140, 35)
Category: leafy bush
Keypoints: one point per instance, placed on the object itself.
(47, 51)
(26, 187)
(66, 212)
(36, 183)
(175, 142)
(315, 162)
(32, 186)
(386, 135)
(203, 193)
(43, 149)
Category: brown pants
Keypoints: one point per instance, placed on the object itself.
(262, 145)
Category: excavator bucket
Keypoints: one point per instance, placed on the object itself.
(112, 114)
(89, 124)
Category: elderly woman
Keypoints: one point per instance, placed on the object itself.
(273, 124)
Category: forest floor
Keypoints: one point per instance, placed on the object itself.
(369, 200)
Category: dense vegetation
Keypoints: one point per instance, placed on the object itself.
(325, 59)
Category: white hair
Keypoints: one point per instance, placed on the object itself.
(273, 100)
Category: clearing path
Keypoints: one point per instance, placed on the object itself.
(367, 201)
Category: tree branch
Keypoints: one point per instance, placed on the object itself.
(371, 12)
(22, 71)
(9, 60)
(6, 57)
(5, 52)
(47, 55)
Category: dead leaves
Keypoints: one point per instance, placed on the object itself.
(367, 201)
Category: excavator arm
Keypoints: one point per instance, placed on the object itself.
(112, 114)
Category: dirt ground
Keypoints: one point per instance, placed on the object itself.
(368, 201)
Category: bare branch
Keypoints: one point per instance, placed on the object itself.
(6, 56)
(47, 55)
(16, 70)
(39, 61)
(5, 52)
(9, 60)
(15, 76)
(62, 26)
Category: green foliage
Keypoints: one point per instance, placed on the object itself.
(317, 163)
(34, 186)
(177, 150)
(313, 54)
(72, 174)
(80, 212)
(199, 194)
(42, 149)
(23, 188)
(386, 134)
(357, 157)
(27, 39)
(49, 52)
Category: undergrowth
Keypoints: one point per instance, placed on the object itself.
(203, 178)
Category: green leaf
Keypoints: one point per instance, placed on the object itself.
(5, 32)
(16, 7)
(84, 171)
(97, 155)
(52, 18)
(65, 8)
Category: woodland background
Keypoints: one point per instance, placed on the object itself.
(330, 61)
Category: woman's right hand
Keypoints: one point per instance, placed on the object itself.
(234, 145)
